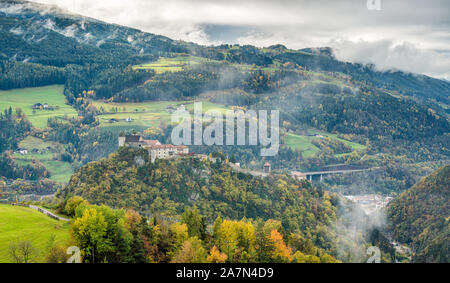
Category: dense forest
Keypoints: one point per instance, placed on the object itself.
(420, 217)
(13, 128)
(303, 214)
(15, 74)
(125, 236)
(167, 186)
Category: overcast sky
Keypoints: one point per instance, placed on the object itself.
(411, 35)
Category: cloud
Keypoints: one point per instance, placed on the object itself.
(387, 54)
(408, 35)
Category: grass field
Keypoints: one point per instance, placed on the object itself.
(25, 98)
(31, 142)
(179, 63)
(60, 171)
(353, 145)
(175, 64)
(22, 223)
(304, 144)
(145, 114)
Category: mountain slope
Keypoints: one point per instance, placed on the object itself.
(45, 34)
(420, 217)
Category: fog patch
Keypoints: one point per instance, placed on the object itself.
(387, 55)
(353, 228)
(17, 31)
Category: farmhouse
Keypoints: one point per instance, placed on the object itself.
(37, 106)
(22, 151)
(41, 106)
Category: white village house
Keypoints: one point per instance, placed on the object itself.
(154, 147)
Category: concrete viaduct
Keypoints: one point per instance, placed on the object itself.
(309, 175)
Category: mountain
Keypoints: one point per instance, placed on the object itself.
(38, 33)
(47, 35)
(364, 113)
(420, 217)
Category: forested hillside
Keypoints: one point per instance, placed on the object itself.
(420, 217)
(166, 189)
(166, 186)
(118, 236)
(13, 127)
(46, 35)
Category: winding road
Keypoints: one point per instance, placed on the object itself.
(52, 215)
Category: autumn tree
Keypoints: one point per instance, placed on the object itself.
(178, 235)
(280, 251)
(22, 252)
(192, 251)
(236, 239)
(72, 203)
(300, 257)
(89, 232)
(216, 256)
(56, 254)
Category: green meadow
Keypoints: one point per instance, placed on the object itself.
(31, 142)
(179, 63)
(145, 114)
(25, 98)
(304, 143)
(353, 145)
(60, 171)
(174, 64)
(26, 224)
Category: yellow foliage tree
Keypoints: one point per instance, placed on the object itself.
(192, 251)
(89, 233)
(179, 234)
(300, 257)
(236, 237)
(132, 219)
(216, 256)
(281, 252)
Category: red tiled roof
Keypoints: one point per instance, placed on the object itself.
(162, 146)
(152, 142)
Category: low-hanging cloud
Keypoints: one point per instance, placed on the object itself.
(407, 35)
(386, 55)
